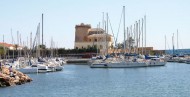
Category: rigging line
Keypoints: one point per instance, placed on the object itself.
(168, 44)
(181, 43)
(34, 42)
(12, 37)
(119, 25)
(111, 29)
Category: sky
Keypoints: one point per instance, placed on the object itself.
(164, 17)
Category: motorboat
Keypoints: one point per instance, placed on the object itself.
(156, 62)
(119, 64)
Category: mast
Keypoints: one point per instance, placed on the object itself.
(134, 36)
(131, 36)
(51, 47)
(30, 40)
(177, 41)
(139, 33)
(124, 28)
(39, 39)
(27, 43)
(145, 31)
(26, 50)
(165, 43)
(127, 46)
(173, 43)
(142, 36)
(4, 46)
(104, 28)
(98, 50)
(17, 43)
(20, 45)
(97, 40)
(137, 37)
(12, 42)
(42, 34)
(102, 20)
(42, 29)
(107, 42)
(105, 39)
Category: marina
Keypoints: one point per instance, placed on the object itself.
(108, 48)
(171, 80)
(35, 65)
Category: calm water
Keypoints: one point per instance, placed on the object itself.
(172, 80)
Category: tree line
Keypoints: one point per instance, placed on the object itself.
(45, 52)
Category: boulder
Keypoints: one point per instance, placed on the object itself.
(18, 78)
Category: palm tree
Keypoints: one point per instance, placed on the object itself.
(131, 42)
(42, 46)
(120, 45)
(2, 52)
(16, 46)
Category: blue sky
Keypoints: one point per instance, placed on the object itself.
(164, 17)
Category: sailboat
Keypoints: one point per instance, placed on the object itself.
(40, 65)
(128, 60)
(120, 62)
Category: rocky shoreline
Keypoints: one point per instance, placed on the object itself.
(18, 77)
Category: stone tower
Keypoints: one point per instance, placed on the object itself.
(81, 32)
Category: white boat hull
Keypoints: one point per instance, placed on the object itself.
(42, 68)
(188, 62)
(58, 68)
(156, 63)
(118, 65)
(28, 70)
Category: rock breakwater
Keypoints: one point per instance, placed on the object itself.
(12, 77)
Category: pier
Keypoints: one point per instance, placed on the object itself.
(85, 61)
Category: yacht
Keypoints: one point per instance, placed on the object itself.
(156, 62)
(188, 61)
(119, 63)
(129, 62)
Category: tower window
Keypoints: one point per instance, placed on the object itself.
(101, 47)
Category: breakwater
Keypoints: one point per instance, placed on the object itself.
(13, 77)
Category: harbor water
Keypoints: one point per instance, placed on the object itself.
(171, 80)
